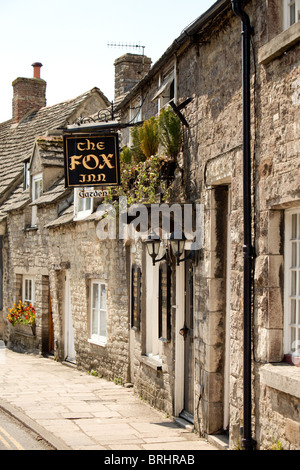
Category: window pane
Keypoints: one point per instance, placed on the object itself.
(94, 322)
(293, 283)
(293, 311)
(88, 203)
(293, 339)
(103, 297)
(294, 254)
(37, 189)
(80, 204)
(294, 226)
(27, 294)
(292, 14)
(102, 323)
(95, 301)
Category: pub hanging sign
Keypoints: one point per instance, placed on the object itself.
(91, 160)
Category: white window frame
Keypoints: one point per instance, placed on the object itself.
(292, 283)
(26, 175)
(37, 183)
(163, 95)
(83, 207)
(153, 344)
(98, 311)
(288, 5)
(28, 281)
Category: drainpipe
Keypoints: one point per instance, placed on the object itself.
(248, 250)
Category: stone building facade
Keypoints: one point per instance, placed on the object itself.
(175, 331)
(205, 63)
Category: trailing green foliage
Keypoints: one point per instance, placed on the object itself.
(142, 165)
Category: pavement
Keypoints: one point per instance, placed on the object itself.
(73, 410)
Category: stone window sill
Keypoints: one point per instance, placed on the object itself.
(103, 344)
(280, 44)
(282, 377)
(151, 362)
(30, 229)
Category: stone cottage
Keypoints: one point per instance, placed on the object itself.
(196, 372)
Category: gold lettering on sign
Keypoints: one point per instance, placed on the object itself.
(93, 178)
(75, 161)
(91, 162)
(87, 159)
(106, 161)
(88, 145)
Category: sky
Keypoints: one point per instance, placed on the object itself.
(70, 38)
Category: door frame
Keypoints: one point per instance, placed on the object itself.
(179, 340)
(69, 349)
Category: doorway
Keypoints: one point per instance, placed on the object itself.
(51, 328)
(70, 354)
(184, 354)
(226, 413)
(188, 331)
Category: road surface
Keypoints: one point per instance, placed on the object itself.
(15, 436)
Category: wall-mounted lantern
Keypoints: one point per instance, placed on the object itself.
(153, 246)
(176, 246)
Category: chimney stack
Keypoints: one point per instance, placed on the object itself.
(129, 70)
(29, 94)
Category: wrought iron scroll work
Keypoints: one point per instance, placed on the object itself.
(103, 115)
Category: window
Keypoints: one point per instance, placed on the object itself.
(292, 283)
(98, 313)
(37, 190)
(153, 344)
(83, 206)
(291, 12)
(28, 290)
(166, 91)
(26, 175)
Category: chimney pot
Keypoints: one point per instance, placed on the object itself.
(37, 69)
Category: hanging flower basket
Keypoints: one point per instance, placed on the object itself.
(22, 317)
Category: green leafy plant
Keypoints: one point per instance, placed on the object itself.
(126, 155)
(148, 137)
(276, 444)
(170, 132)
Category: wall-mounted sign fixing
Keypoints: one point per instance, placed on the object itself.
(91, 160)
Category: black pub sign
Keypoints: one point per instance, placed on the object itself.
(91, 160)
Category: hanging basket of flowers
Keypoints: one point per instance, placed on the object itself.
(22, 316)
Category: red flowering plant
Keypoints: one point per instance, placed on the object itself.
(21, 313)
